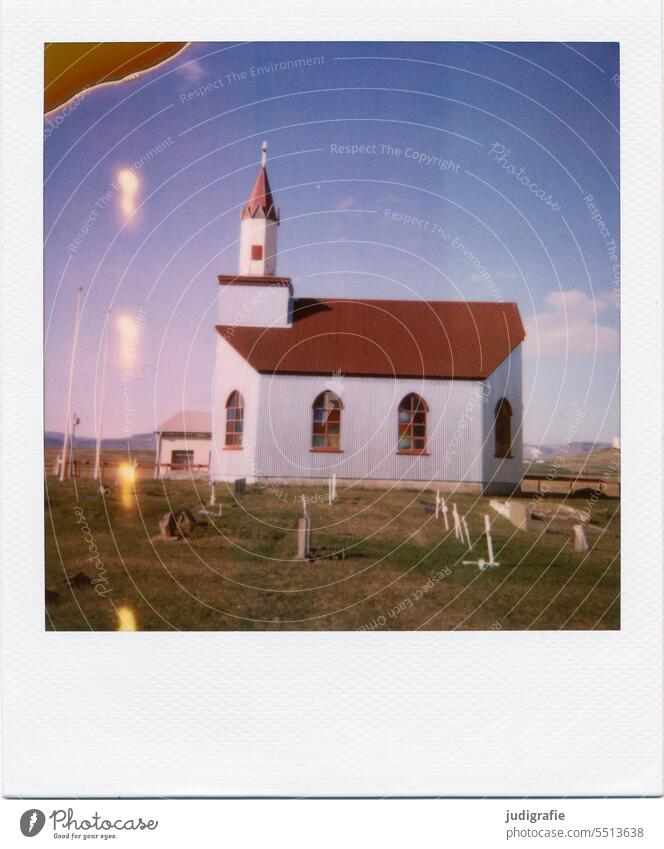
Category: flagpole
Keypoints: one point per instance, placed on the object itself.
(66, 441)
(97, 473)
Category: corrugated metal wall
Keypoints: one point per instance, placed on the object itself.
(505, 382)
(233, 373)
(256, 306)
(369, 429)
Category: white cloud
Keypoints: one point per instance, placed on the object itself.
(192, 71)
(571, 326)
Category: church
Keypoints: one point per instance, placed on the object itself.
(376, 392)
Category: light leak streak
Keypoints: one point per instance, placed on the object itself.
(126, 619)
(126, 478)
(129, 186)
(128, 329)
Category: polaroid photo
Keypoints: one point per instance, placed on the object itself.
(332, 401)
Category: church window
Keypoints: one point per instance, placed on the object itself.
(257, 252)
(503, 428)
(412, 425)
(234, 420)
(326, 425)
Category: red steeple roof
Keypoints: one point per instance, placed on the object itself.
(260, 201)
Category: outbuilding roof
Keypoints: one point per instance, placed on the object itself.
(463, 340)
(188, 422)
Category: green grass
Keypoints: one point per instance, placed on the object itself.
(401, 571)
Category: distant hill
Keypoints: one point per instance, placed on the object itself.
(585, 458)
(548, 452)
(136, 442)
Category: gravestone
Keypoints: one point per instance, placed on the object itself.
(168, 527)
(516, 512)
(240, 486)
(186, 522)
(80, 579)
(303, 538)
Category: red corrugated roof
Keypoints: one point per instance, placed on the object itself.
(430, 339)
(260, 199)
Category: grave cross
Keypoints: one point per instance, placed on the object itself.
(445, 511)
(465, 528)
(458, 533)
(489, 541)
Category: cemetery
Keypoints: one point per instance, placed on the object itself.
(187, 555)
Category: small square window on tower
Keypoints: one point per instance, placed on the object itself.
(257, 252)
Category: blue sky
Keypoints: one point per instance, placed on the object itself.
(480, 172)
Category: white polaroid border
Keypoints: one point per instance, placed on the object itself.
(311, 714)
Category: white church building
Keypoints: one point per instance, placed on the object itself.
(377, 391)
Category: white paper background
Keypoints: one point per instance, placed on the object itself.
(536, 713)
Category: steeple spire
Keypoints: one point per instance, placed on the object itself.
(260, 203)
(258, 227)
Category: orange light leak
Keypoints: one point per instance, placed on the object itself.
(126, 478)
(129, 186)
(126, 619)
(128, 328)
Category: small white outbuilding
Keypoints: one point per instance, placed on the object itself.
(184, 444)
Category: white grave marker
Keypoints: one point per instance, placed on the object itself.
(205, 511)
(444, 511)
(489, 541)
(458, 533)
(332, 489)
(465, 528)
(580, 541)
(485, 564)
(303, 537)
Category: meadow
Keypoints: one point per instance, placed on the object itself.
(386, 562)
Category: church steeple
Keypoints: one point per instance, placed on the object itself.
(258, 227)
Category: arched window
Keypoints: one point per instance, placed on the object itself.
(412, 425)
(234, 420)
(503, 428)
(326, 426)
